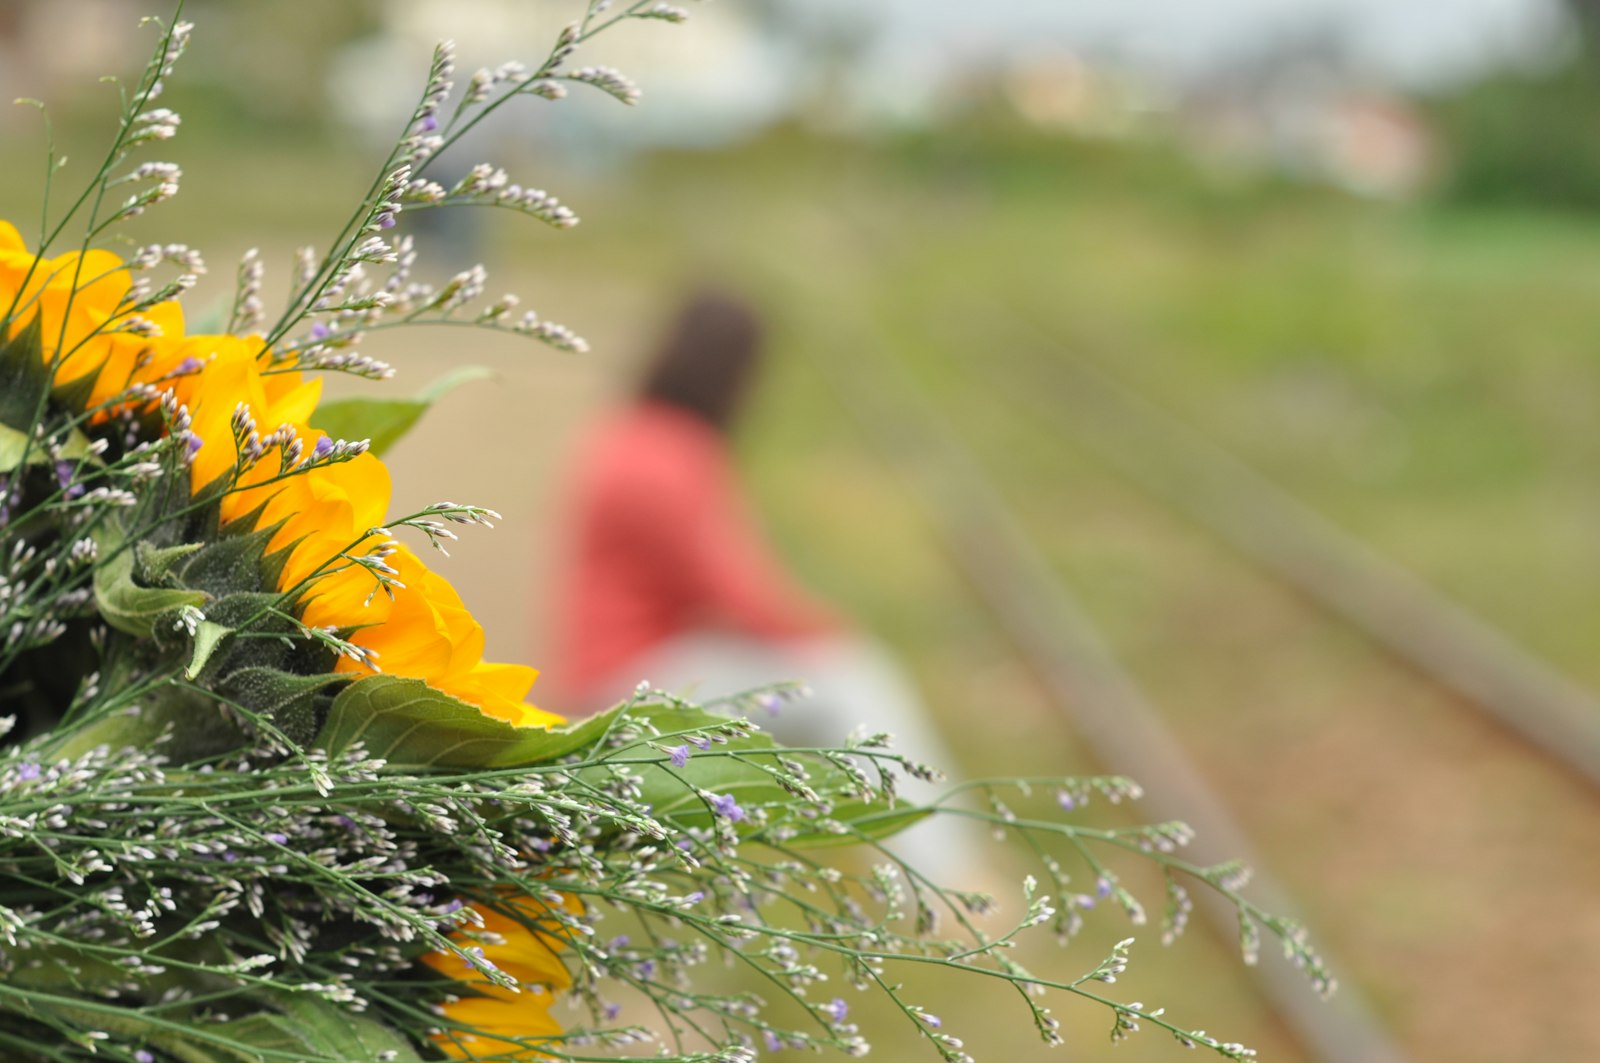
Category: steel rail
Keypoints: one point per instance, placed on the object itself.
(1049, 626)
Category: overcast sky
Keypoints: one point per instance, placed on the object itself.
(714, 80)
(1409, 40)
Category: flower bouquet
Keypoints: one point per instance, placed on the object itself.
(262, 798)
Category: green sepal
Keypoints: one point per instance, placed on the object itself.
(208, 635)
(248, 522)
(125, 604)
(76, 393)
(153, 565)
(287, 699)
(24, 378)
(272, 564)
(383, 422)
(25, 388)
(224, 616)
(231, 564)
(251, 608)
(249, 526)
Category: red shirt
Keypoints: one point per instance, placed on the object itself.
(663, 543)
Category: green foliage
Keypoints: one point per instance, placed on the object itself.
(1527, 138)
(293, 1026)
(383, 422)
(24, 379)
(412, 725)
(300, 1025)
(14, 443)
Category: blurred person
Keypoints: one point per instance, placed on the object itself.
(668, 579)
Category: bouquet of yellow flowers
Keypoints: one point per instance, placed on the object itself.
(262, 798)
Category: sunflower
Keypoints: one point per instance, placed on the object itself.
(495, 1021)
(321, 513)
(425, 632)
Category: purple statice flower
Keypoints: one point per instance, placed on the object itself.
(771, 702)
(194, 443)
(701, 742)
(323, 448)
(320, 331)
(141, 1056)
(190, 364)
(428, 123)
(836, 1009)
(277, 839)
(725, 806)
(931, 1020)
(646, 970)
(1102, 886)
(611, 1011)
(1066, 801)
(385, 219)
(680, 756)
(64, 472)
(27, 771)
(476, 959)
(774, 1042)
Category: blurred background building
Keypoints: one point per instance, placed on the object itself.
(1186, 292)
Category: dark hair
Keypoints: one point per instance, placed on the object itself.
(707, 358)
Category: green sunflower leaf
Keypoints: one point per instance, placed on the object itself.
(410, 724)
(304, 1024)
(384, 421)
(747, 769)
(14, 441)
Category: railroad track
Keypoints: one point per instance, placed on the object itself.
(1056, 635)
(1418, 624)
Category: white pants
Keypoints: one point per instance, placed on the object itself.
(854, 682)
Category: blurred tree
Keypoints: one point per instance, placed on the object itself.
(1531, 137)
(1586, 15)
(265, 67)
